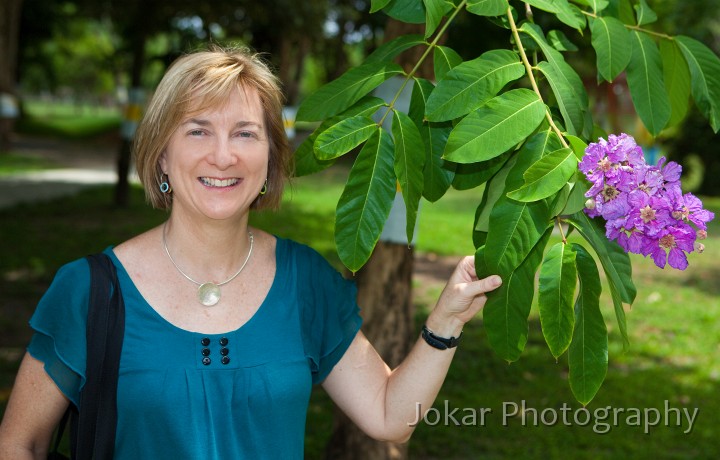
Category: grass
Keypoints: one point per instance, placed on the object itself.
(68, 121)
(11, 163)
(674, 331)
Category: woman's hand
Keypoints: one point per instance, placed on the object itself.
(463, 297)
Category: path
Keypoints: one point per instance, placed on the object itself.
(78, 164)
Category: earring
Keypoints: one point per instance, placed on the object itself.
(264, 188)
(164, 185)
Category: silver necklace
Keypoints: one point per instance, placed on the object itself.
(208, 293)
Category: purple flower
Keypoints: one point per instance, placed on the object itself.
(643, 206)
(676, 240)
(671, 171)
(648, 214)
(689, 208)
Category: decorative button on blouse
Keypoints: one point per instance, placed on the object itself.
(224, 351)
(205, 342)
(223, 341)
(206, 361)
(225, 360)
(205, 351)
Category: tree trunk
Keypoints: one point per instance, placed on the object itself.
(122, 188)
(384, 293)
(9, 36)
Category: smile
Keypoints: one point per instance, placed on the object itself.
(211, 182)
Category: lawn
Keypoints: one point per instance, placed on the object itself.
(68, 121)
(673, 360)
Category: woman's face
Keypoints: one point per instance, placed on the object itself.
(217, 159)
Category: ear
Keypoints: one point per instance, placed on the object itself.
(163, 162)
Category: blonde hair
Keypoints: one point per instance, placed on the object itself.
(201, 80)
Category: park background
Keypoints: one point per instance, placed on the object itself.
(76, 64)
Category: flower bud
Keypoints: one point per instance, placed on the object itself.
(701, 234)
(699, 247)
(590, 203)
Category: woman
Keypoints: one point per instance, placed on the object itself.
(227, 327)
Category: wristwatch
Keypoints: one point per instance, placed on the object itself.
(441, 343)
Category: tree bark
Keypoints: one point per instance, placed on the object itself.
(385, 297)
(384, 293)
(124, 156)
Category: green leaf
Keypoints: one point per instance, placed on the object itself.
(546, 176)
(615, 262)
(505, 315)
(487, 7)
(559, 199)
(471, 175)
(647, 89)
(588, 352)
(571, 107)
(434, 12)
(578, 145)
(438, 173)
(704, 68)
(470, 84)
(409, 164)
(567, 85)
(365, 203)
(677, 80)
(596, 5)
(305, 160)
(515, 227)
(621, 9)
(645, 15)
(494, 190)
(495, 127)
(576, 200)
(344, 136)
(377, 5)
(560, 42)
(388, 51)
(562, 9)
(610, 40)
(556, 294)
(444, 59)
(343, 92)
(410, 11)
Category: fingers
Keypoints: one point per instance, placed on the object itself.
(465, 273)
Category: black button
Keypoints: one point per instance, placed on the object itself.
(223, 341)
(206, 360)
(205, 342)
(224, 351)
(225, 360)
(205, 351)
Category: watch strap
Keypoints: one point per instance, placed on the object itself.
(441, 343)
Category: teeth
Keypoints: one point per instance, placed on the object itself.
(210, 182)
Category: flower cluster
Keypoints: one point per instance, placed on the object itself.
(643, 205)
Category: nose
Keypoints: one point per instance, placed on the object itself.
(223, 155)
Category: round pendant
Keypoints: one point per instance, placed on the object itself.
(209, 294)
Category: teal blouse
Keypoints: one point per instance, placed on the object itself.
(188, 395)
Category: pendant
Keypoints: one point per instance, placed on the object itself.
(209, 294)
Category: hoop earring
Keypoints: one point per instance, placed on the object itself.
(164, 185)
(264, 188)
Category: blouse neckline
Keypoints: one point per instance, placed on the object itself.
(272, 292)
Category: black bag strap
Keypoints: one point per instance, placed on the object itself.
(55, 452)
(94, 435)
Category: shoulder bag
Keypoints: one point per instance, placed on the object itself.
(93, 424)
